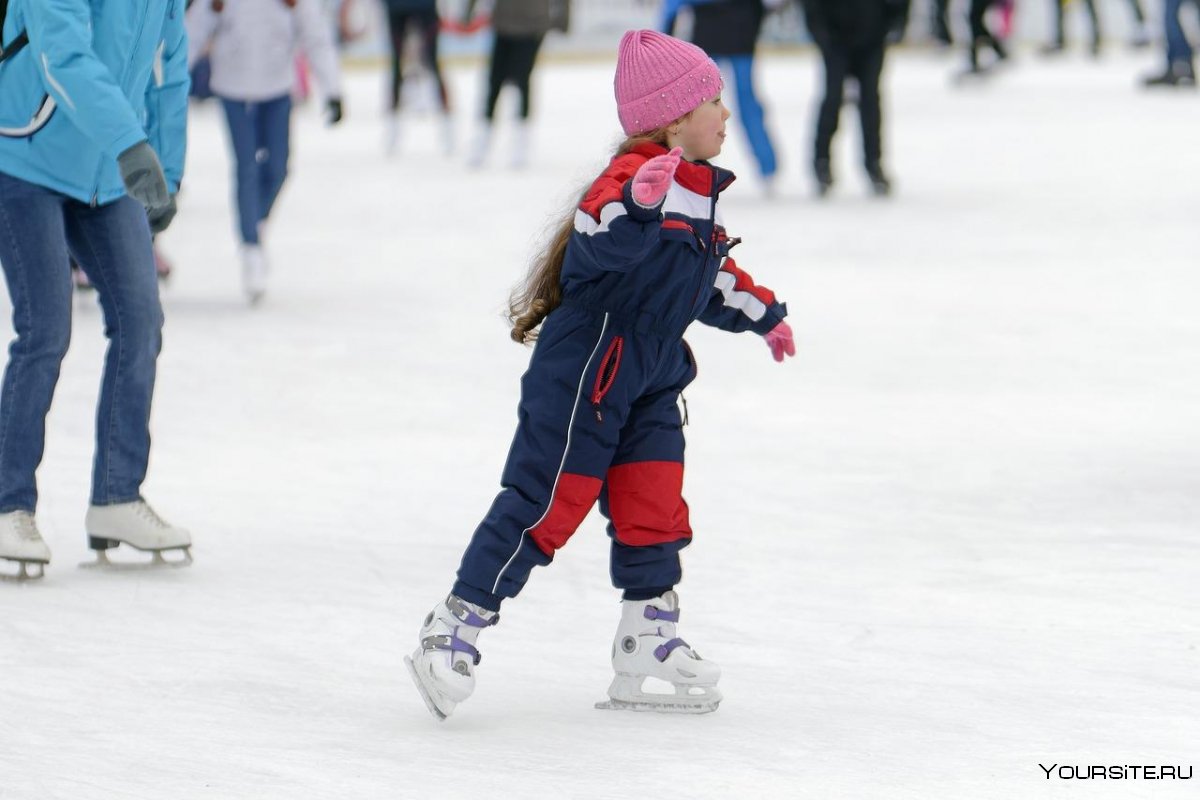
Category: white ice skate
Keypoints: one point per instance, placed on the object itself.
(647, 649)
(479, 146)
(391, 133)
(520, 145)
(446, 132)
(137, 525)
(254, 272)
(442, 667)
(21, 543)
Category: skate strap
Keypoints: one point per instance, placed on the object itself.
(659, 613)
(451, 643)
(663, 650)
(466, 616)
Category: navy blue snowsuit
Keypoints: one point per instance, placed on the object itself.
(598, 416)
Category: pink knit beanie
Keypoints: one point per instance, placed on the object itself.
(659, 79)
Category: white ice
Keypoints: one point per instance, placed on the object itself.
(954, 538)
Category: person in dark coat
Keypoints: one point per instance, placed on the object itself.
(1059, 42)
(520, 26)
(852, 35)
(941, 22)
(727, 30)
(422, 16)
(982, 36)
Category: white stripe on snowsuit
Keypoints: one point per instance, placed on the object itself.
(744, 302)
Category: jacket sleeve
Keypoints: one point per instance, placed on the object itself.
(316, 38)
(81, 86)
(201, 26)
(167, 100)
(612, 231)
(738, 304)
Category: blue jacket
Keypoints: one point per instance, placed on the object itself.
(667, 266)
(97, 77)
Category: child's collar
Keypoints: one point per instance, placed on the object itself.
(700, 177)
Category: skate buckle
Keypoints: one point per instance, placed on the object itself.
(463, 613)
(664, 650)
(653, 612)
(451, 643)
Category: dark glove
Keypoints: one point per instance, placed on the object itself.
(162, 218)
(333, 111)
(143, 177)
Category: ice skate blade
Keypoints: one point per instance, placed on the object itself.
(426, 695)
(705, 707)
(23, 575)
(102, 561)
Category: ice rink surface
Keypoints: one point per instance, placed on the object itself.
(954, 538)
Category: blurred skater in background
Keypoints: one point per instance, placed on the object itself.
(420, 16)
(252, 47)
(1179, 70)
(983, 37)
(728, 31)
(1058, 43)
(941, 22)
(519, 27)
(852, 36)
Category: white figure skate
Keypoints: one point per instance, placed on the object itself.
(520, 145)
(137, 525)
(442, 667)
(479, 146)
(254, 273)
(646, 647)
(20, 542)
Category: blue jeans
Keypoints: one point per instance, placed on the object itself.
(112, 244)
(750, 112)
(1178, 47)
(259, 135)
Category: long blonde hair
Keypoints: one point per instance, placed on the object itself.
(541, 291)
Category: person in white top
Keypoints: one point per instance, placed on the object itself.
(252, 45)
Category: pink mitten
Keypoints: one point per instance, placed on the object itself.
(779, 339)
(653, 178)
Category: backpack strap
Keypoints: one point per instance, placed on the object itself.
(13, 47)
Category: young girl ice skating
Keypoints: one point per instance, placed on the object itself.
(644, 255)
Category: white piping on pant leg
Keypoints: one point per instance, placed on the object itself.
(563, 463)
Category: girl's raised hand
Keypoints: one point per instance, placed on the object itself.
(653, 179)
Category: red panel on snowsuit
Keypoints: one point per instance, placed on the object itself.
(645, 501)
(573, 498)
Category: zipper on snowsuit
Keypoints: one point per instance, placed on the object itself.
(607, 375)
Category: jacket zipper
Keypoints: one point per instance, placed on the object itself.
(712, 218)
(607, 374)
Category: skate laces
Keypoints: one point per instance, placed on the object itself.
(26, 528)
(146, 512)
